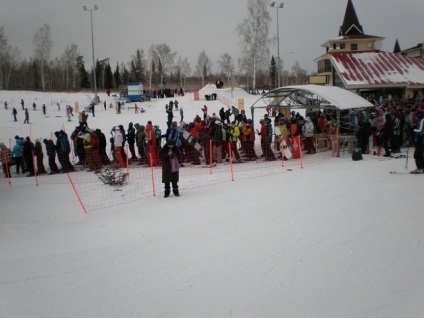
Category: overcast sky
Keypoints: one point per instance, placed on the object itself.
(191, 26)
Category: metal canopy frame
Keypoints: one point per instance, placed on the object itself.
(311, 96)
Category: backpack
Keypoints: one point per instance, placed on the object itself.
(218, 136)
(268, 130)
(357, 154)
(176, 134)
(63, 145)
(158, 132)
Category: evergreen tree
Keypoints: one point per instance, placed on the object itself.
(117, 76)
(99, 71)
(108, 77)
(84, 82)
(137, 66)
(273, 73)
(132, 74)
(125, 76)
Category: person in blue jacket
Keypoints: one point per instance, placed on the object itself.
(17, 152)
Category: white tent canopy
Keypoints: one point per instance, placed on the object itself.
(312, 96)
(308, 96)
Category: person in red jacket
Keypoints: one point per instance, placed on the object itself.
(266, 139)
(151, 140)
(321, 123)
(6, 159)
(295, 135)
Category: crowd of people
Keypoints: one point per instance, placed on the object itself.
(215, 138)
(388, 126)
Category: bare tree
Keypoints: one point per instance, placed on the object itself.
(43, 46)
(69, 62)
(226, 65)
(9, 59)
(56, 74)
(183, 70)
(150, 69)
(203, 67)
(164, 57)
(245, 67)
(254, 38)
(300, 75)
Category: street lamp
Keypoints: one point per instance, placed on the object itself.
(96, 7)
(280, 6)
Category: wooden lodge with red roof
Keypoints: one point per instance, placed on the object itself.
(354, 61)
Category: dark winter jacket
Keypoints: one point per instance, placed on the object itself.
(28, 148)
(364, 131)
(131, 135)
(388, 127)
(38, 151)
(141, 137)
(102, 139)
(165, 158)
(50, 148)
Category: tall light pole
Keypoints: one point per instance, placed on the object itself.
(280, 6)
(96, 7)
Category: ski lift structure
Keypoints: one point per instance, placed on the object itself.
(309, 97)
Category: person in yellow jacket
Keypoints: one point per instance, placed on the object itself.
(235, 134)
(281, 132)
(90, 146)
(85, 136)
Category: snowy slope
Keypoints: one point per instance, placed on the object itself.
(339, 239)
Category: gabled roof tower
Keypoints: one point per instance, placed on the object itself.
(397, 49)
(351, 23)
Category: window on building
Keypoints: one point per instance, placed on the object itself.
(337, 81)
(324, 66)
(354, 47)
(342, 46)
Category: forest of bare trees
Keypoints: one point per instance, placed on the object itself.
(156, 67)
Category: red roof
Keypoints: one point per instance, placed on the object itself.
(378, 68)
